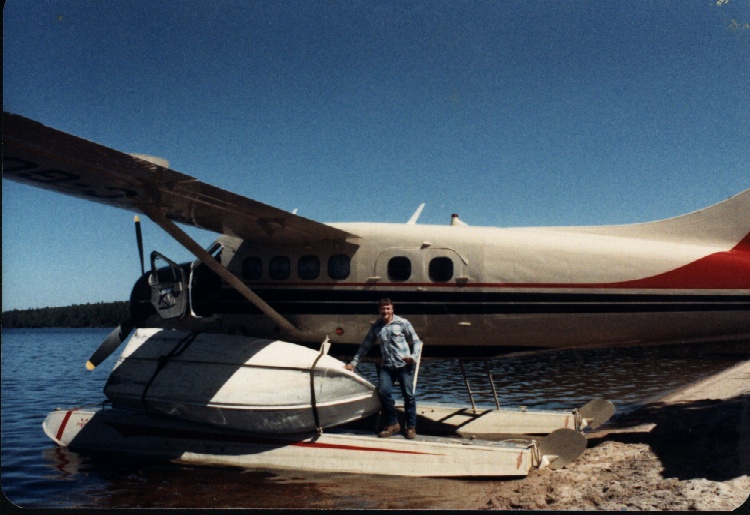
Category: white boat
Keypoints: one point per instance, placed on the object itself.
(251, 384)
(137, 432)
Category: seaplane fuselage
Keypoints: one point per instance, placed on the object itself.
(483, 290)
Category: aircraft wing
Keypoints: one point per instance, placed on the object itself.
(47, 158)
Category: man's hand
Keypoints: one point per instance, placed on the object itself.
(349, 366)
(408, 361)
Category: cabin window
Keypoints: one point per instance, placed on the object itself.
(308, 267)
(339, 267)
(279, 268)
(399, 268)
(441, 269)
(252, 267)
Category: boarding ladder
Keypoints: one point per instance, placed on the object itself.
(490, 380)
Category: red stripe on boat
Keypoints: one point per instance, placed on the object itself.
(353, 448)
(64, 423)
(127, 431)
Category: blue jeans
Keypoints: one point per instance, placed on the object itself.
(388, 376)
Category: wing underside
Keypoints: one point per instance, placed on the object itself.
(47, 158)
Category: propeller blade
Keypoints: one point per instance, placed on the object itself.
(110, 343)
(139, 239)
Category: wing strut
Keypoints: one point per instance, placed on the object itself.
(155, 214)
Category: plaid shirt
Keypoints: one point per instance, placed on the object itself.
(394, 339)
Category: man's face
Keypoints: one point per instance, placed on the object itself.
(386, 313)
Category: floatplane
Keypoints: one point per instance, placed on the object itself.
(225, 363)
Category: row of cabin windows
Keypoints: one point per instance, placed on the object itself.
(308, 267)
(339, 268)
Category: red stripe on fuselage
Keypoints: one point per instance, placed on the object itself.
(728, 270)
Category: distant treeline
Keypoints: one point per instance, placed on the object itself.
(103, 314)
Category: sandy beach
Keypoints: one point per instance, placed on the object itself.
(688, 451)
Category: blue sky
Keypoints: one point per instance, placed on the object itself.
(510, 113)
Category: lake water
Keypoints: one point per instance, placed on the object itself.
(44, 369)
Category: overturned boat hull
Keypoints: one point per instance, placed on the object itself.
(250, 384)
(156, 436)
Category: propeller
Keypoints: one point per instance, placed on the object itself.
(139, 239)
(110, 343)
(121, 332)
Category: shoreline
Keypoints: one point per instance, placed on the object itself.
(689, 450)
(732, 382)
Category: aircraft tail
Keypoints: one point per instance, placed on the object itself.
(727, 222)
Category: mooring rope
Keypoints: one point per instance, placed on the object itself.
(162, 361)
(313, 400)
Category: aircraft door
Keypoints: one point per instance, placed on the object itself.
(205, 285)
(447, 316)
(169, 290)
(421, 265)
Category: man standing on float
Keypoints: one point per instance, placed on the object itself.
(400, 347)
